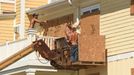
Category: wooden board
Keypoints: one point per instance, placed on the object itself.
(91, 44)
(56, 27)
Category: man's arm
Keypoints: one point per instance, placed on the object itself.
(36, 20)
(31, 23)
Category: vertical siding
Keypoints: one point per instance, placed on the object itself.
(6, 30)
(117, 24)
(7, 7)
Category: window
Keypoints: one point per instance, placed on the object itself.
(132, 7)
(90, 9)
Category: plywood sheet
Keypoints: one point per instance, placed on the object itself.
(91, 44)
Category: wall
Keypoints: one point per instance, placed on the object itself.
(6, 30)
(117, 25)
(7, 7)
(17, 12)
(121, 67)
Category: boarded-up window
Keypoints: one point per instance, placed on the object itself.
(132, 71)
(91, 44)
(132, 7)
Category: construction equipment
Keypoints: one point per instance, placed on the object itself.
(60, 56)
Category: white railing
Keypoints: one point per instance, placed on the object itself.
(50, 41)
(8, 1)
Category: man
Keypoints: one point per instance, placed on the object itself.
(34, 21)
(72, 39)
(74, 45)
(68, 31)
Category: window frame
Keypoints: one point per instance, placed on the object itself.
(89, 9)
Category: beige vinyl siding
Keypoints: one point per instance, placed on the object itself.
(117, 25)
(6, 30)
(121, 67)
(17, 11)
(7, 7)
(35, 3)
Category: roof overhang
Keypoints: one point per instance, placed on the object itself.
(59, 8)
(64, 4)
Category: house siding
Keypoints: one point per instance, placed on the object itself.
(7, 7)
(117, 25)
(17, 12)
(6, 30)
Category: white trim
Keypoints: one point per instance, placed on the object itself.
(8, 1)
(22, 19)
(120, 56)
(15, 6)
(89, 8)
(27, 68)
(52, 1)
